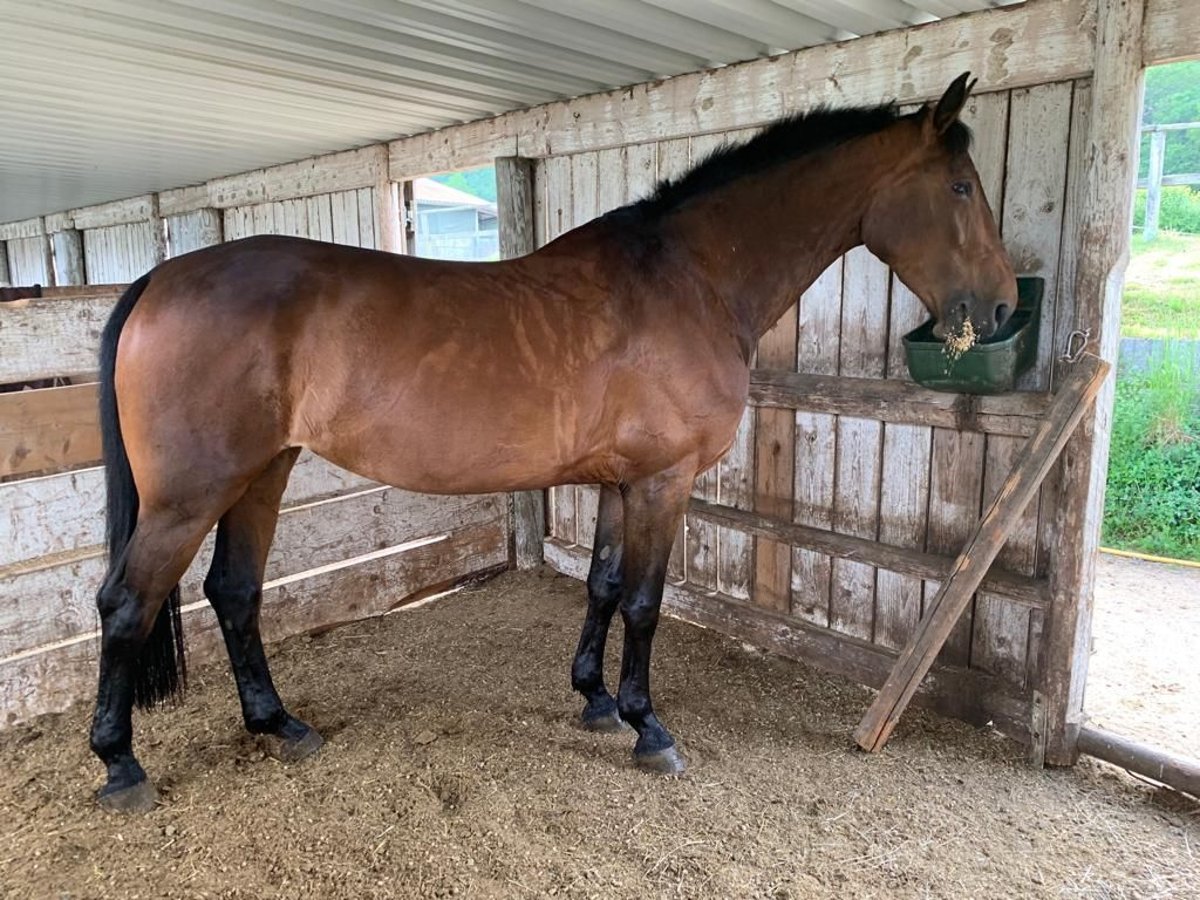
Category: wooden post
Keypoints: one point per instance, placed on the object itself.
(5, 275)
(1175, 771)
(774, 471)
(68, 257)
(514, 203)
(158, 232)
(1100, 253)
(389, 230)
(1158, 146)
(408, 218)
(1028, 471)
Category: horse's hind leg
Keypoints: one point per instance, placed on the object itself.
(162, 545)
(604, 592)
(234, 588)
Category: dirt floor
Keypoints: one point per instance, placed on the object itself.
(454, 768)
(1144, 674)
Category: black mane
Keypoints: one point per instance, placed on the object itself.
(783, 141)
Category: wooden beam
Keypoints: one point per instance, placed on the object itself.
(1179, 772)
(1101, 249)
(50, 679)
(388, 215)
(1006, 47)
(887, 400)
(49, 429)
(1022, 589)
(118, 212)
(68, 257)
(5, 276)
(1170, 31)
(25, 228)
(1028, 471)
(49, 338)
(966, 694)
(514, 203)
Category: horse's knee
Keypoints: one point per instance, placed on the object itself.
(124, 623)
(604, 580)
(640, 611)
(236, 600)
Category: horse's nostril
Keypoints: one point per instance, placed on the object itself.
(1002, 313)
(964, 311)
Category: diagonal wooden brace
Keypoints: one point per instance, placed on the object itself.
(1074, 397)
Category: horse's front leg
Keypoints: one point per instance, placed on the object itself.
(604, 592)
(652, 510)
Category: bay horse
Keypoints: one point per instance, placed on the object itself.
(618, 354)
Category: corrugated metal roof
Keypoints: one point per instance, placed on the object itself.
(103, 99)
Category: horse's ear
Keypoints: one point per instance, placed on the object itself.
(952, 102)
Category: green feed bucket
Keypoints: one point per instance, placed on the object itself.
(991, 366)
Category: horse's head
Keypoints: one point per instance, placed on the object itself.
(931, 223)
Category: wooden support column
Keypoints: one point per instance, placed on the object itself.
(5, 274)
(158, 231)
(514, 203)
(1100, 253)
(68, 257)
(389, 228)
(1158, 150)
(774, 471)
(47, 254)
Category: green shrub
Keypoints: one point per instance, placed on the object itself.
(1179, 209)
(1153, 500)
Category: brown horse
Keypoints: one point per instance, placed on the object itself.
(618, 354)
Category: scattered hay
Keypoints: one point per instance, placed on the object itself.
(959, 342)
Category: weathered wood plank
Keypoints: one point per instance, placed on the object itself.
(956, 692)
(1034, 192)
(1039, 453)
(68, 257)
(1102, 247)
(332, 173)
(955, 492)
(1009, 47)
(1019, 588)
(48, 603)
(898, 401)
(119, 212)
(819, 325)
(27, 261)
(51, 428)
(64, 513)
(51, 680)
(775, 470)
(1170, 32)
(194, 230)
(48, 338)
(25, 228)
(862, 354)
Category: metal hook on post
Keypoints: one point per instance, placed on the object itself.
(1077, 342)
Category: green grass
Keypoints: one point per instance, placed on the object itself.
(1153, 500)
(1162, 288)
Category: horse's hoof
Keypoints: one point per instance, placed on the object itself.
(292, 750)
(605, 723)
(137, 798)
(667, 761)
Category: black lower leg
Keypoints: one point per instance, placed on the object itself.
(640, 613)
(604, 591)
(236, 602)
(122, 635)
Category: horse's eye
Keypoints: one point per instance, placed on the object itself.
(962, 188)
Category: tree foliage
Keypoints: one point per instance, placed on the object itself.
(1173, 95)
(477, 182)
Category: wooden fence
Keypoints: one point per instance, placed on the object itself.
(1155, 180)
(345, 548)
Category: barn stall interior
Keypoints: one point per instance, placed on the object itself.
(821, 536)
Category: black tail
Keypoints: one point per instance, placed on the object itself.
(161, 672)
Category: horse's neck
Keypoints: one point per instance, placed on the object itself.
(764, 239)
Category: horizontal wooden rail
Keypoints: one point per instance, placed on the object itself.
(1016, 414)
(1173, 180)
(52, 337)
(49, 429)
(1178, 772)
(1021, 589)
(966, 694)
